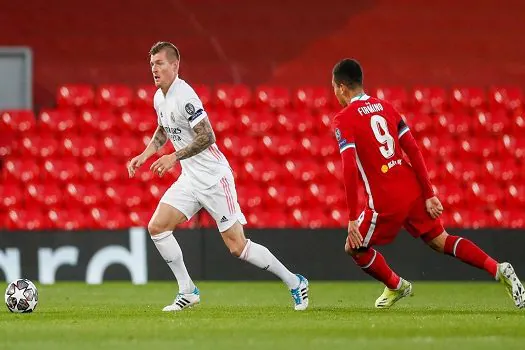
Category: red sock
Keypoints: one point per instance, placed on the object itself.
(374, 264)
(469, 253)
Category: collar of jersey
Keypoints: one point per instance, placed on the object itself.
(360, 97)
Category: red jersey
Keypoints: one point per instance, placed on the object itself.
(372, 137)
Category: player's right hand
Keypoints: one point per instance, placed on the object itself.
(354, 239)
(434, 207)
(135, 163)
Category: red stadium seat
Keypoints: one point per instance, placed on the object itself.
(303, 171)
(21, 170)
(502, 170)
(233, 96)
(84, 195)
(397, 96)
(7, 143)
(204, 94)
(156, 190)
(113, 96)
(515, 196)
(80, 146)
(251, 197)
(140, 217)
(488, 196)
(465, 171)
(287, 196)
(429, 99)
(35, 146)
(109, 219)
(122, 146)
(421, 124)
(326, 195)
(451, 195)
(318, 147)
(443, 148)
(332, 170)
(68, 219)
(74, 96)
(26, 219)
(143, 98)
(139, 121)
(311, 97)
(517, 123)
(495, 123)
(514, 147)
(312, 219)
(273, 97)
(257, 122)
(11, 195)
(105, 171)
(279, 147)
(124, 195)
(240, 147)
(57, 120)
(224, 122)
(61, 169)
(44, 195)
(97, 120)
(509, 218)
(510, 97)
(269, 219)
(467, 98)
(263, 171)
(17, 121)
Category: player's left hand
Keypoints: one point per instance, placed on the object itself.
(163, 164)
(354, 236)
(434, 207)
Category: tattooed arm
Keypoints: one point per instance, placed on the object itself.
(204, 138)
(158, 140)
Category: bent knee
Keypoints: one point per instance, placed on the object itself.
(155, 227)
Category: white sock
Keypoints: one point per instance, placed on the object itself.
(261, 257)
(170, 251)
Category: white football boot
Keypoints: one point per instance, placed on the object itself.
(512, 283)
(184, 300)
(300, 294)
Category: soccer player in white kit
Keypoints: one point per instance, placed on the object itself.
(206, 182)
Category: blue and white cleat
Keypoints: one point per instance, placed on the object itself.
(300, 294)
(184, 300)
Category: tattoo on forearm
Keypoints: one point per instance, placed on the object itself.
(204, 139)
(159, 138)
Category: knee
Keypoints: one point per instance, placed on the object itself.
(155, 228)
(438, 243)
(237, 246)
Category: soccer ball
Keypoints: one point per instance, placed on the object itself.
(21, 296)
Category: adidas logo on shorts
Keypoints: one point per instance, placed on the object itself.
(224, 219)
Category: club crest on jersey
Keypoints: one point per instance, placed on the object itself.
(189, 108)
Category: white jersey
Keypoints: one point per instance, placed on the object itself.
(178, 112)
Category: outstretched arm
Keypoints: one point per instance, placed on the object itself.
(204, 138)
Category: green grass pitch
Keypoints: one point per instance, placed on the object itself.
(256, 315)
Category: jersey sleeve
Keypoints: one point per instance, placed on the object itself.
(193, 110)
(343, 134)
(345, 139)
(411, 149)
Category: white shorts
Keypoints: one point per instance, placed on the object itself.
(219, 200)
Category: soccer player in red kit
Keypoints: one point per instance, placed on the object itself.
(375, 141)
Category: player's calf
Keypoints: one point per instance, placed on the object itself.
(464, 250)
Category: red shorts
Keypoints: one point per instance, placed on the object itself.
(380, 229)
